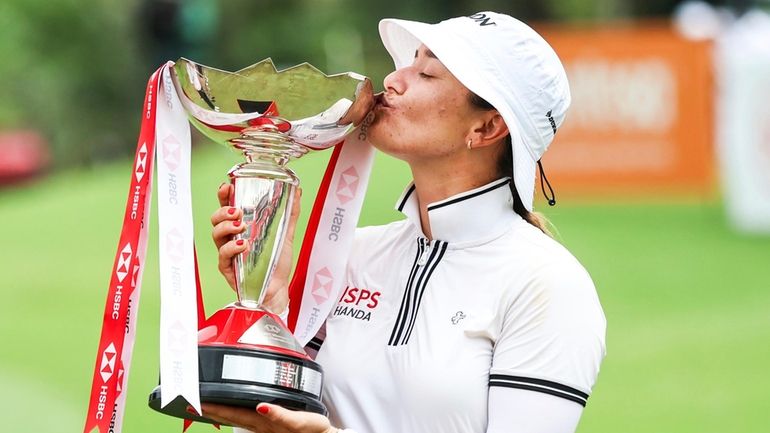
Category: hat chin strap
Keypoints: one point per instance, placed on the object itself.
(543, 182)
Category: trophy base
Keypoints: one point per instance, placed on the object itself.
(228, 394)
(247, 359)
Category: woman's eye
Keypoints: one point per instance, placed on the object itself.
(424, 75)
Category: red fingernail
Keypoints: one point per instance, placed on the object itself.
(239, 242)
(237, 223)
(263, 410)
(231, 211)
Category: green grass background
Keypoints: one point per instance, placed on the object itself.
(687, 301)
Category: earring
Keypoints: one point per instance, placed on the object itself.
(470, 144)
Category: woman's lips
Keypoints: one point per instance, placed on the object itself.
(382, 101)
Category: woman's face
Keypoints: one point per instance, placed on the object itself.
(425, 112)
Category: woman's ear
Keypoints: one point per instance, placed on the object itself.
(489, 130)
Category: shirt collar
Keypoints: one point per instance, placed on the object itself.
(481, 213)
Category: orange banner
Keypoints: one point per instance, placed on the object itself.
(641, 115)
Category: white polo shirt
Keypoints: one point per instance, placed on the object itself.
(425, 328)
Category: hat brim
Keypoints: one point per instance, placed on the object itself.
(402, 38)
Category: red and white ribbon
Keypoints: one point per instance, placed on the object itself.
(113, 358)
(166, 125)
(178, 306)
(321, 265)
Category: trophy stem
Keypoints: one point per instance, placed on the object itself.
(264, 191)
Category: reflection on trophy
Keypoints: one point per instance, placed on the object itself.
(246, 354)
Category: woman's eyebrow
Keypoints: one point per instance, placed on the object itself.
(428, 53)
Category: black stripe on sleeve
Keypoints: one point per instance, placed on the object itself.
(539, 385)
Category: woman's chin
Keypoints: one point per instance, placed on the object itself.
(374, 130)
(379, 134)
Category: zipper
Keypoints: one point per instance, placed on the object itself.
(427, 257)
(425, 253)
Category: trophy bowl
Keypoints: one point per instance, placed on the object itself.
(246, 353)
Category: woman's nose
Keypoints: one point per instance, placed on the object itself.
(394, 82)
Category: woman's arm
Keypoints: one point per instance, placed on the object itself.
(547, 356)
(521, 411)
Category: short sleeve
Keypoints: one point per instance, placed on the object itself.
(552, 336)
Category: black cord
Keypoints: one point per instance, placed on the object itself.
(543, 182)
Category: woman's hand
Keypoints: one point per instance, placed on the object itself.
(268, 418)
(227, 223)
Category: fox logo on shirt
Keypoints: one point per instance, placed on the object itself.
(357, 303)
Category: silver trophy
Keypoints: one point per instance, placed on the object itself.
(246, 354)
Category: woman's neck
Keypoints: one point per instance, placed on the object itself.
(435, 181)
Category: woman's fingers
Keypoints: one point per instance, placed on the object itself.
(223, 194)
(268, 418)
(225, 213)
(278, 415)
(226, 254)
(228, 415)
(283, 420)
(225, 230)
(227, 222)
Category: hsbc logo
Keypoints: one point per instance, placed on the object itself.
(364, 129)
(177, 337)
(121, 372)
(135, 202)
(172, 152)
(107, 366)
(148, 109)
(168, 87)
(347, 185)
(141, 163)
(135, 274)
(124, 259)
(174, 245)
(322, 285)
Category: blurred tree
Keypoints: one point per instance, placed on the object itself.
(76, 69)
(170, 29)
(69, 71)
(161, 30)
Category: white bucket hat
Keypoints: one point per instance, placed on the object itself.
(505, 62)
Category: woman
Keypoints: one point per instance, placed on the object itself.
(481, 322)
